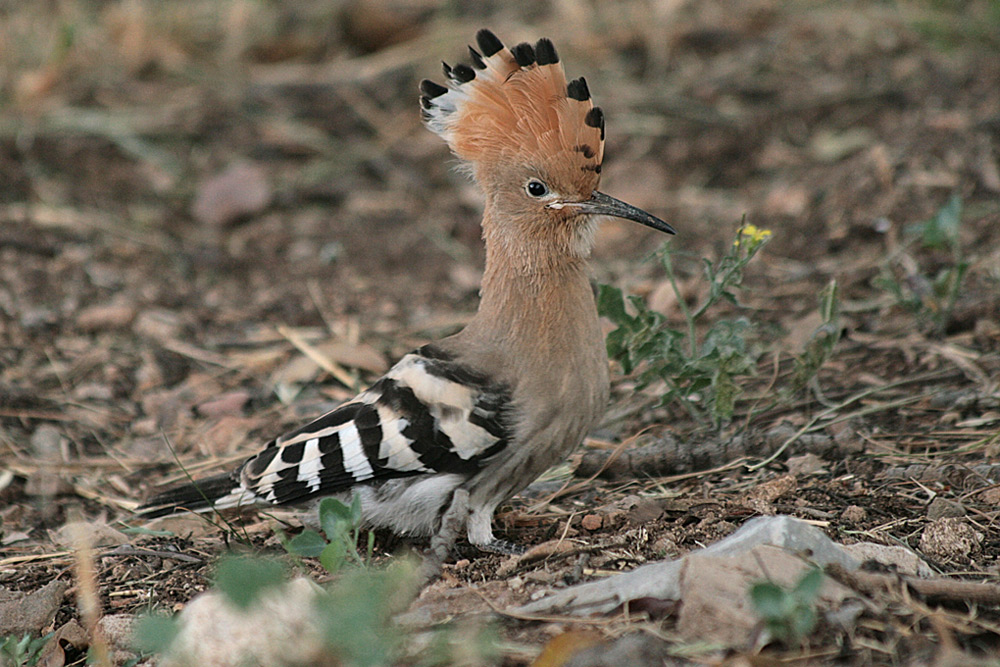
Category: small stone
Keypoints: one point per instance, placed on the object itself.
(665, 546)
(854, 514)
(46, 484)
(591, 522)
(93, 391)
(941, 508)
(806, 464)
(902, 559)
(38, 318)
(645, 512)
(117, 629)
(98, 534)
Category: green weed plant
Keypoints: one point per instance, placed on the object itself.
(700, 372)
(929, 292)
(789, 615)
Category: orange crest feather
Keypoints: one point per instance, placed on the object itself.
(515, 106)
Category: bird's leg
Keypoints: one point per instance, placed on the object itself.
(453, 523)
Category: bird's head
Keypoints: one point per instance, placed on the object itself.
(533, 141)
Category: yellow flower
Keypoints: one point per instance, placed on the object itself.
(753, 235)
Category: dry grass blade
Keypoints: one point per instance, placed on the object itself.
(87, 595)
(330, 366)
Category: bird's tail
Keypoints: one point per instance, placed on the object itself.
(201, 495)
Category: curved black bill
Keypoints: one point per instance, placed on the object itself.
(601, 204)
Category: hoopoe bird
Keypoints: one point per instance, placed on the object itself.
(458, 426)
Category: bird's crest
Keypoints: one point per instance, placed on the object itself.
(515, 106)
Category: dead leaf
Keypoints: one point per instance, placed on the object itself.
(831, 146)
(361, 355)
(806, 464)
(70, 634)
(761, 496)
(227, 404)
(96, 533)
(105, 316)
(561, 648)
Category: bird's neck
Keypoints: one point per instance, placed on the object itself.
(537, 305)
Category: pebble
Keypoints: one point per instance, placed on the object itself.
(941, 508)
(854, 514)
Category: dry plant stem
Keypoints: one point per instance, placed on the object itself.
(938, 589)
(811, 424)
(87, 596)
(330, 366)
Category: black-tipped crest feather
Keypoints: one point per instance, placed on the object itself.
(524, 54)
(545, 51)
(578, 90)
(488, 43)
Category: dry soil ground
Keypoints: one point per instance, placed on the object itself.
(219, 219)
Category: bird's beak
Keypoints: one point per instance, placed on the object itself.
(601, 204)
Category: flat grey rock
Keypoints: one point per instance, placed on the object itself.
(662, 580)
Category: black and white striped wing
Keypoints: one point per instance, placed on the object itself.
(428, 414)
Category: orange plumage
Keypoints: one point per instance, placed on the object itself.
(517, 108)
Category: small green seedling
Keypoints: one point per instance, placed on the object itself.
(789, 615)
(342, 526)
(154, 633)
(22, 651)
(242, 579)
(929, 292)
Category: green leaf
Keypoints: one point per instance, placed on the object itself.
(356, 510)
(802, 622)
(770, 600)
(242, 579)
(941, 231)
(154, 633)
(308, 543)
(611, 304)
(808, 587)
(335, 518)
(829, 301)
(333, 556)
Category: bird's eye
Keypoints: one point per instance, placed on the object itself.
(535, 188)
